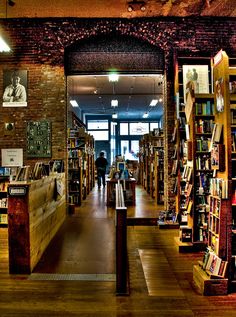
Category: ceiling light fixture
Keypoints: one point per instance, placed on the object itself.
(145, 115)
(4, 46)
(113, 77)
(136, 5)
(114, 115)
(74, 103)
(114, 103)
(153, 102)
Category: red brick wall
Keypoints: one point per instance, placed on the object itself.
(38, 46)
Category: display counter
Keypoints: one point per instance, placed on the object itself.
(128, 187)
(36, 210)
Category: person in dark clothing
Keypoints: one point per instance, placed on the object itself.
(101, 164)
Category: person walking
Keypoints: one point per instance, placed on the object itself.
(101, 164)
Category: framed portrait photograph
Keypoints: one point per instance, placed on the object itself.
(219, 92)
(14, 88)
(199, 77)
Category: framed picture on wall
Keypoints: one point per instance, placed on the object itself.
(14, 88)
(199, 76)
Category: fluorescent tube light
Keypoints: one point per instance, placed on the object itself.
(74, 103)
(153, 102)
(113, 77)
(4, 46)
(114, 103)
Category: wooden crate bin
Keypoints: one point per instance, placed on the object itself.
(209, 286)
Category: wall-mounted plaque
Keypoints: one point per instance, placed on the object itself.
(39, 139)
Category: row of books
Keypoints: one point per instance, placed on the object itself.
(214, 228)
(233, 117)
(205, 108)
(3, 203)
(4, 219)
(203, 145)
(187, 173)
(203, 163)
(215, 205)
(233, 138)
(214, 264)
(3, 187)
(204, 126)
(75, 142)
(219, 187)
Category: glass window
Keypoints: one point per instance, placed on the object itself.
(154, 125)
(124, 128)
(139, 128)
(134, 149)
(124, 145)
(99, 135)
(97, 124)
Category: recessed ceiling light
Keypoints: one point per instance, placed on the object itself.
(153, 102)
(114, 103)
(74, 103)
(113, 77)
(3, 46)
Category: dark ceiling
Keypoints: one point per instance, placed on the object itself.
(133, 92)
(117, 8)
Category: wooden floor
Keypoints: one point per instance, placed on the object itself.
(160, 276)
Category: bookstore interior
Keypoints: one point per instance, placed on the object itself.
(202, 169)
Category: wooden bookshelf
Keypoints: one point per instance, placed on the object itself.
(81, 171)
(151, 163)
(195, 118)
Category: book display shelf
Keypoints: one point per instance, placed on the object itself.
(192, 138)
(4, 181)
(151, 159)
(218, 266)
(232, 102)
(81, 174)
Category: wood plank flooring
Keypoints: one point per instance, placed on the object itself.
(154, 261)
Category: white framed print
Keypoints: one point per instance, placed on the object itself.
(12, 157)
(14, 88)
(199, 76)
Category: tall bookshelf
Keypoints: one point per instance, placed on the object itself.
(194, 123)
(232, 101)
(151, 164)
(220, 205)
(81, 171)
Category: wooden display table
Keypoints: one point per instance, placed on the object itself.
(129, 190)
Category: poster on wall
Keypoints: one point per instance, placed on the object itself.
(12, 157)
(199, 76)
(14, 88)
(39, 139)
